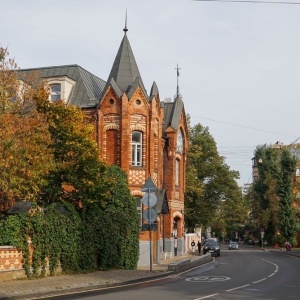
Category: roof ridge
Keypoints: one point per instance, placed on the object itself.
(49, 67)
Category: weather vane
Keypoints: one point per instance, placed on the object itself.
(125, 29)
(177, 91)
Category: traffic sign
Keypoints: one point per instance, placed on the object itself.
(149, 215)
(149, 199)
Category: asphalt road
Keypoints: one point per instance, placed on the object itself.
(248, 273)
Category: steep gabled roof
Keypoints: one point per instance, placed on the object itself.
(154, 90)
(172, 113)
(87, 89)
(162, 206)
(125, 71)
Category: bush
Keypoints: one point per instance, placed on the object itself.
(279, 240)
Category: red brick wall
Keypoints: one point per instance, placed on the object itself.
(10, 258)
(137, 113)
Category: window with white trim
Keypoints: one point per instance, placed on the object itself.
(136, 148)
(55, 92)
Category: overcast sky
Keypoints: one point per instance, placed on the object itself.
(240, 62)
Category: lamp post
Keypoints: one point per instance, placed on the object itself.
(262, 234)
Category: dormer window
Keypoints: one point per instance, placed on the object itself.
(60, 88)
(55, 92)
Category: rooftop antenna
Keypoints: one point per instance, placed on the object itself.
(177, 90)
(125, 29)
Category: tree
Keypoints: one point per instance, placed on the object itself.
(78, 168)
(286, 214)
(49, 155)
(272, 192)
(209, 179)
(24, 138)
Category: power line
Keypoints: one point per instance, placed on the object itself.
(248, 127)
(254, 2)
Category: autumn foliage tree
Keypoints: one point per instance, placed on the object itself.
(48, 155)
(24, 137)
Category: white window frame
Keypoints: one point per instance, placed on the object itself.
(66, 86)
(55, 95)
(136, 148)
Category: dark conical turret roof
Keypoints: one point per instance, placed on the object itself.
(125, 70)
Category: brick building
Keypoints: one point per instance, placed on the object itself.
(137, 131)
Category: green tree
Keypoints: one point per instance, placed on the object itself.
(286, 214)
(272, 192)
(209, 179)
(78, 168)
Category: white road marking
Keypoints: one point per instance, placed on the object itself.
(259, 280)
(239, 287)
(205, 297)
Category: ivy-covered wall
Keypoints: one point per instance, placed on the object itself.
(77, 241)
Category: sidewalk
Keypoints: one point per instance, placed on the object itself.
(293, 252)
(58, 285)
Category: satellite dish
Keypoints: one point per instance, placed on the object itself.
(149, 215)
(149, 199)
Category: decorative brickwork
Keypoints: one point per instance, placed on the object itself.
(136, 177)
(10, 258)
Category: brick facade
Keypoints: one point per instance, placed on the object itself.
(120, 109)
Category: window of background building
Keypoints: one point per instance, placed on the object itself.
(55, 92)
(136, 148)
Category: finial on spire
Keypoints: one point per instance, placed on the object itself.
(125, 29)
(177, 90)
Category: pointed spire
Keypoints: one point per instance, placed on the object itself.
(125, 70)
(125, 28)
(177, 90)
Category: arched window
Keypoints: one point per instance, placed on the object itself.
(179, 146)
(136, 148)
(55, 92)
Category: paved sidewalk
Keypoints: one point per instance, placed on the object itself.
(26, 289)
(40, 288)
(293, 252)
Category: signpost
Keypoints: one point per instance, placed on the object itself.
(149, 215)
(262, 234)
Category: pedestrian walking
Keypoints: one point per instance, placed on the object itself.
(199, 247)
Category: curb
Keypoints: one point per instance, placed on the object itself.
(173, 268)
(190, 263)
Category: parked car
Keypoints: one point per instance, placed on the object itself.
(211, 246)
(233, 245)
(250, 242)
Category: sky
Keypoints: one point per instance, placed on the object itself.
(239, 62)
